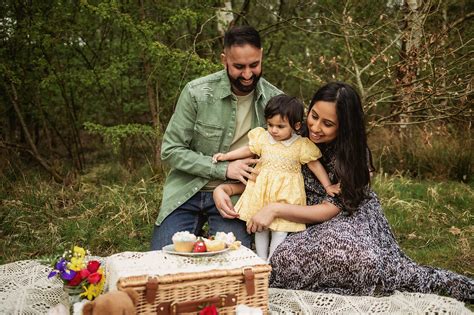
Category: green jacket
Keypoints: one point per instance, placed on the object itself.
(203, 124)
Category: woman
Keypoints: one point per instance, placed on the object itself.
(350, 248)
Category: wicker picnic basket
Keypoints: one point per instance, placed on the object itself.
(187, 293)
(184, 285)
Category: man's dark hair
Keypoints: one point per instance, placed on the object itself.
(242, 35)
(288, 107)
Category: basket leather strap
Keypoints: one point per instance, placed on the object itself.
(150, 290)
(249, 277)
(167, 308)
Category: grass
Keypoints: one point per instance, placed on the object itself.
(436, 152)
(41, 218)
(432, 220)
(110, 210)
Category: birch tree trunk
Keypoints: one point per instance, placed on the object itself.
(409, 55)
(224, 17)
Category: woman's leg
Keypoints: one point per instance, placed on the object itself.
(277, 238)
(262, 240)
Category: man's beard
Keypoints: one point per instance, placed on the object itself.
(243, 88)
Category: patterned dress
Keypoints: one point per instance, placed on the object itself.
(355, 254)
(279, 178)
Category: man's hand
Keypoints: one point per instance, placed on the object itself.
(241, 170)
(224, 204)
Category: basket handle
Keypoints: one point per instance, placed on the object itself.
(167, 308)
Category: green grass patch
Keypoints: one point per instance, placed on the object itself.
(41, 218)
(432, 221)
(110, 210)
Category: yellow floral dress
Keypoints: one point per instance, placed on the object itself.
(280, 178)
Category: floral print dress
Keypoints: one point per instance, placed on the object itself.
(355, 254)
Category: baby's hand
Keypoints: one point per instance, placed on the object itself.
(218, 157)
(333, 190)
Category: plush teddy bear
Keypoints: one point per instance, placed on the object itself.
(114, 302)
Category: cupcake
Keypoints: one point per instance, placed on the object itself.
(227, 238)
(183, 241)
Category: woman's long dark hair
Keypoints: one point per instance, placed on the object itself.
(353, 158)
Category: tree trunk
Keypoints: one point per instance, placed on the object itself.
(152, 98)
(34, 151)
(409, 59)
(224, 17)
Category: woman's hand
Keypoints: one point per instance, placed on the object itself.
(223, 203)
(263, 218)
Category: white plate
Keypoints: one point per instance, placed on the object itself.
(170, 250)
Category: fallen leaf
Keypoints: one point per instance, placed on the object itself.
(454, 230)
(412, 236)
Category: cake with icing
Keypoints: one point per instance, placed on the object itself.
(183, 241)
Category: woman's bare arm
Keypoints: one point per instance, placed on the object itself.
(295, 213)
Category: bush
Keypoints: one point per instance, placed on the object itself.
(433, 153)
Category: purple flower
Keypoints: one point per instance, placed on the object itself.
(61, 268)
(67, 274)
(52, 274)
(61, 264)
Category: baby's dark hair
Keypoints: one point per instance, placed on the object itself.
(288, 107)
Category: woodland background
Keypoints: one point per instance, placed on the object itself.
(88, 87)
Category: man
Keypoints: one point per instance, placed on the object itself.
(213, 114)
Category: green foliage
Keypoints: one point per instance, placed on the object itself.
(115, 135)
(122, 63)
(434, 153)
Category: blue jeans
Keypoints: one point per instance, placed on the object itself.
(191, 217)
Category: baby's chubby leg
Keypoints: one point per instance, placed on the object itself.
(262, 241)
(277, 239)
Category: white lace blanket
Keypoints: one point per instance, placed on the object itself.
(158, 263)
(25, 289)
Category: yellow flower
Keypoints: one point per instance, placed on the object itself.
(89, 292)
(76, 264)
(100, 285)
(94, 290)
(79, 251)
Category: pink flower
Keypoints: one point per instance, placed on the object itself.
(209, 310)
(76, 280)
(84, 273)
(94, 277)
(93, 266)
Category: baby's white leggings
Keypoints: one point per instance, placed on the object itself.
(263, 244)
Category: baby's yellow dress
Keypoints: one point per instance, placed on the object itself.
(280, 178)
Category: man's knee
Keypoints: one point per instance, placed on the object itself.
(156, 239)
